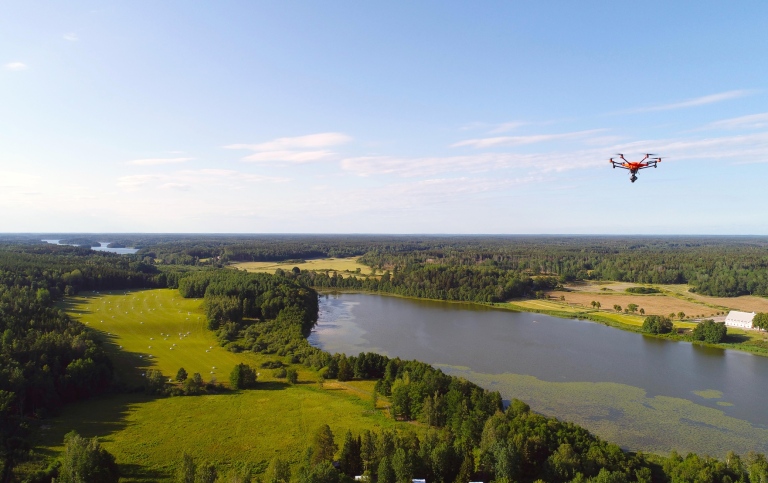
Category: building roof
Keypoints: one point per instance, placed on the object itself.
(736, 316)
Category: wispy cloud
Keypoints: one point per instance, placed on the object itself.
(753, 121)
(300, 149)
(16, 66)
(157, 161)
(522, 140)
(698, 101)
(71, 36)
(507, 126)
(289, 156)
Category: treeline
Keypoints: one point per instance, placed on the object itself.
(470, 284)
(721, 266)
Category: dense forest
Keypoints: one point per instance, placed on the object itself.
(721, 266)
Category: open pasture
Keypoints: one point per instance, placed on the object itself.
(343, 265)
(155, 329)
(148, 435)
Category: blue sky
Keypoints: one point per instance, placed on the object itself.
(382, 117)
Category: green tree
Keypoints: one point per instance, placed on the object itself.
(292, 375)
(181, 376)
(386, 473)
(242, 377)
(85, 461)
(323, 446)
(760, 320)
(632, 308)
(656, 324)
(346, 371)
(709, 331)
(681, 315)
(350, 462)
(155, 382)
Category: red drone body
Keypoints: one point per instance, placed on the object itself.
(634, 166)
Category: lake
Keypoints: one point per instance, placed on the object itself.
(102, 248)
(641, 392)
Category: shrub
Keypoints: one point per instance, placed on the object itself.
(709, 331)
(642, 290)
(657, 324)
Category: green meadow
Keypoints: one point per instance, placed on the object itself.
(161, 330)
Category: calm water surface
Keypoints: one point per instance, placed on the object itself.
(104, 248)
(494, 342)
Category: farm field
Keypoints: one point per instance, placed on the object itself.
(656, 304)
(343, 265)
(148, 435)
(747, 303)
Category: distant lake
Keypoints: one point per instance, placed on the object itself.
(642, 392)
(102, 248)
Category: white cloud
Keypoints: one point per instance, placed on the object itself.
(16, 66)
(157, 161)
(71, 36)
(698, 101)
(300, 149)
(753, 121)
(522, 140)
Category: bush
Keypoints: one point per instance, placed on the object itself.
(292, 375)
(657, 324)
(643, 290)
(271, 365)
(242, 377)
(85, 460)
(280, 373)
(709, 331)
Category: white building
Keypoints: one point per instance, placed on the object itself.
(742, 320)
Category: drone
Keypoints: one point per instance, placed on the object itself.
(635, 166)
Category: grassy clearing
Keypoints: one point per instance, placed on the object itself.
(538, 304)
(148, 435)
(345, 266)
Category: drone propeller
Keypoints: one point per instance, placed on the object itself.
(649, 155)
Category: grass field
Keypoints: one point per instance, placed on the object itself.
(341, 265)
(148, 435)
